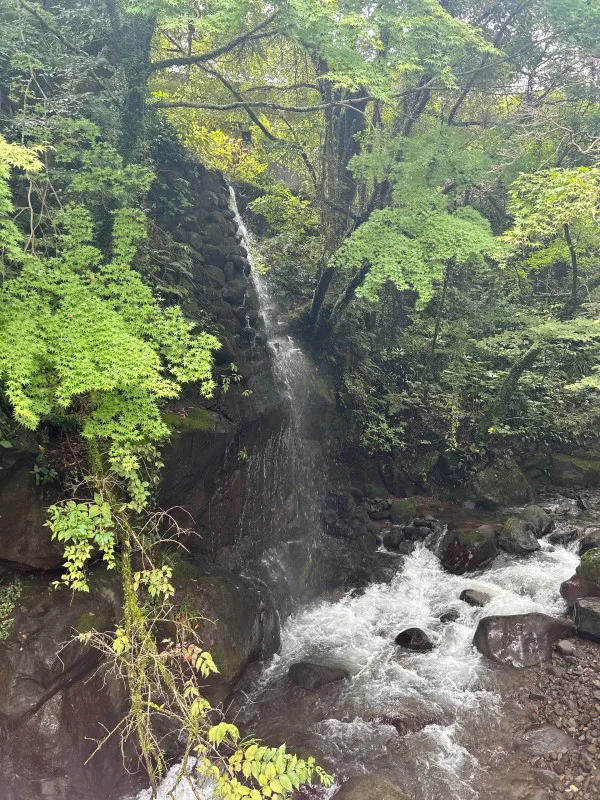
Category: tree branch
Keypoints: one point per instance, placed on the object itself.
(202, 58)
(245, 104)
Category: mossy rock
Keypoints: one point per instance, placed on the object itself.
(369, 787)
(590, 566)
(572, 471)
(403, 511)
(325, 391)
(502, 484)
(198, 419)
(373, 491)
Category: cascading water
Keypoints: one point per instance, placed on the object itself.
(418, 718)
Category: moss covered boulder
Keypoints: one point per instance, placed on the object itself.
(518, 537)
(589, 569)
(541, 522)
(575, 472)
(369, 787)
(465, 551)
(402, 511)
(498, 485)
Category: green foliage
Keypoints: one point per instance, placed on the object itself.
(10, 592)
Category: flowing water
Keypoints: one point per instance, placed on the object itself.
(422, 719)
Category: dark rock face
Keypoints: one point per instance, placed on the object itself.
(369, 787)
(540, 521)
(313, 676)
(465, 551)
(575, 472)
(587, 617)
(24, 540)
(589, 541)
(56, 698)
(520, 640)
(475, 598)
(500, 485)
(414, 639)
(518, 537)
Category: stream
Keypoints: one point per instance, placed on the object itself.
(430, 722)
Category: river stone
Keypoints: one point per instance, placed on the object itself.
(414, 639)
(393, 537)
(502, 484)
(563, 537)
(518, 537)
(541, 522)
(587, 617)
(577, 586)
(465, 551)
(475, 598)
(589, 541)
(541, 740)
(369, 787)
(449, 616)
(402, 511)
(314, 676)
(520, 640)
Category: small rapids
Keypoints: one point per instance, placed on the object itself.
(419, 718)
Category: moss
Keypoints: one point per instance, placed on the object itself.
(471, 537)
(403, 511)
(573, 471)
(590, 566)
(85, 622)
(325, 391)
(372, 491)
(197, 419)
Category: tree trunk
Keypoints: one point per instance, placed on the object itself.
(327, 325)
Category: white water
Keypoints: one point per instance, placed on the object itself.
(448, 687)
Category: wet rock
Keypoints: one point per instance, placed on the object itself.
(369, 787)
(518, 537)
(577, 586)
(575, 472)
(565, 647)
(563, 537)
(313, 676)
(543, 739)
(416, 533)
(393, 537)
(520, 640)
(475, 598)
(414, 639)
(541, 522)
(465, 551)
(589, 541)
(402, 511)
(587, 617)
(502, 484)
(449, 616)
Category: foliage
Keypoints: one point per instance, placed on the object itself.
(10, 593)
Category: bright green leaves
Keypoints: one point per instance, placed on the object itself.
(543, 202)
(411, 251)
(83, 528)
(12, 156)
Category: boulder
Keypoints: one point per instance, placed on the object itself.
(589, 567)
(520, 640)
(589, 541)
(234, 292)
(565, 647)
(577, 587)
(393, 537)
(475, 598)
(518, 537)
(314, 676)
(369, 787)
(465, 551)
(541, 740)
(563, 537)
(541, 522)
(502, 484)
(587, 617)
(414, 639)
(449, 616)
(575, 472)
(402, 511)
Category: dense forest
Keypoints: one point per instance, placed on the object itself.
(421, 180)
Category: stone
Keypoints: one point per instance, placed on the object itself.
(520, 640)
(570, 471)
(414, 639)
(314, 676)
(518, 537)
(577, 587)
(234, 292)
(196, 241)
(465, 551)
(369, 787)
(402, 511)
(541, 522)
(541, 740)
(449, 616)
(586, 617)
(393, 538)
(589, 541)
(216, 275)
(589, 568)
(475, 598)
(563, 537)
(498, 485)
(565, 647)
